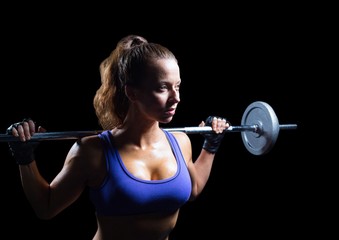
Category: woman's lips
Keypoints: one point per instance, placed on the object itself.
(170, 111)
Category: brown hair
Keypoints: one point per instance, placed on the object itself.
(123, 67)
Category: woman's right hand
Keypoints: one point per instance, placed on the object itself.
(23, 150)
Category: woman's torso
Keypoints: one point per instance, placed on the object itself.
(145, 224)
(141, 227)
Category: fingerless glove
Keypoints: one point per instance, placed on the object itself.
(22, 152)
(212, 140)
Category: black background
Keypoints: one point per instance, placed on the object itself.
(50, 64)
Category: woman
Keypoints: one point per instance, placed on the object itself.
(138, 174)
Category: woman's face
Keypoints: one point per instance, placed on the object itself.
(158, 96)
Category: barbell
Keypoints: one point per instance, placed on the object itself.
(259, 130)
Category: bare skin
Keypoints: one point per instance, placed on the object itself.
(143, 227)
(144, 150)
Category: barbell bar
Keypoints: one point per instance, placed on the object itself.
(259, 130)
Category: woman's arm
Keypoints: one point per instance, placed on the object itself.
(49, 199)
(200, 169)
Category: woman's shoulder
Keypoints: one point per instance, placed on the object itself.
(88, 146)
(90, 143)
(184, 143)
(86, 158)
(182, 139)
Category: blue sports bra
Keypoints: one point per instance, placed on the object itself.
(123, 194)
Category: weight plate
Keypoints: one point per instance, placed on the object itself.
(262, 115)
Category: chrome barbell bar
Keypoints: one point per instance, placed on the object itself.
(69, 135)
(259, 130)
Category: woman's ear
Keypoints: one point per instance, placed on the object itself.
(130, 93)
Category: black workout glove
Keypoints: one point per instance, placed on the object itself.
(22, 152)
(212, 140)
